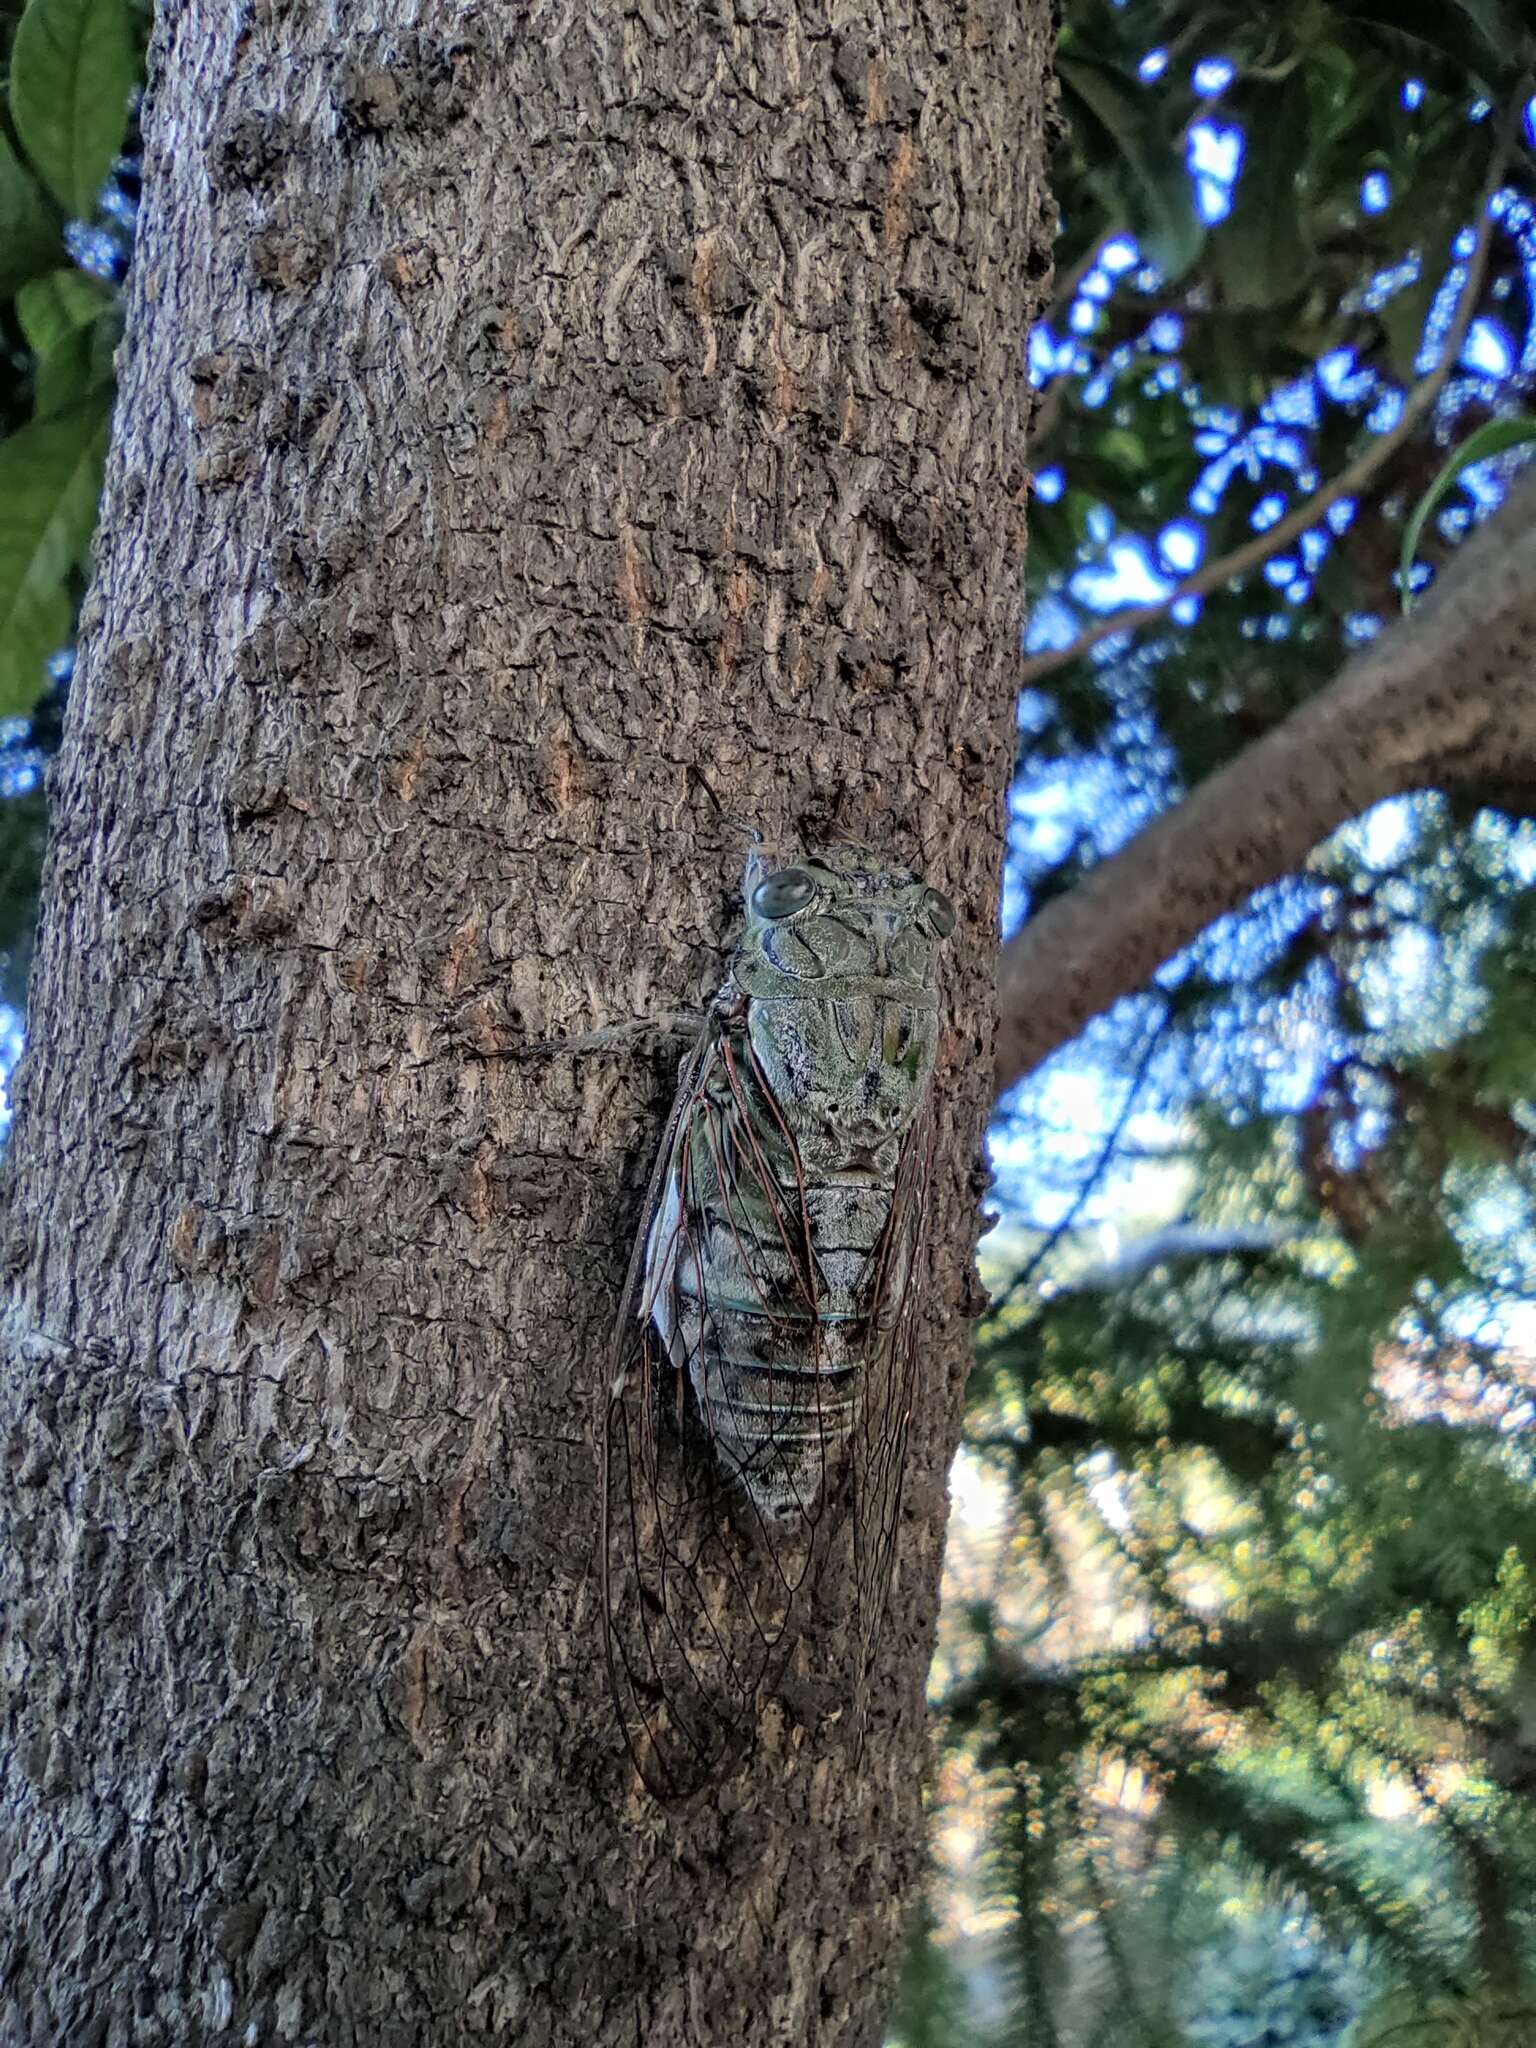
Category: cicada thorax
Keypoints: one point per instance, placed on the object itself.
(765, 1366)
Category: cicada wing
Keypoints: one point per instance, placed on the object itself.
(650, 1490)
(891, 1386)
(683, 1722)
(698, 1612)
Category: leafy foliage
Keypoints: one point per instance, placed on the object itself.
(1197, 386)
(29, 226)
(68, 198)
(73, 65)
(1493, 437)
(50, 480)
(1452, 2023)
(1269, 1983)
(23, 835)
(1241, 1634)
(64, 223)
(934, 2005)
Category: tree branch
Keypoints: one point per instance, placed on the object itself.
(1178, 1242)
(1445, 696)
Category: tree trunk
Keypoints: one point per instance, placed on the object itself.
(520, 410)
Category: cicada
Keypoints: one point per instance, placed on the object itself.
(765, 1358)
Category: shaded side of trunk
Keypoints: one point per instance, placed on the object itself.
(521, 410)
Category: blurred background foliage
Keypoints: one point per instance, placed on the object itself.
(69, 187)
(1237, 1678)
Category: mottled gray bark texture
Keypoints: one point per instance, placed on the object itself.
(521, 407)
(1445, 698)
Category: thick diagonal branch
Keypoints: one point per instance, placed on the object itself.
(1447, 696)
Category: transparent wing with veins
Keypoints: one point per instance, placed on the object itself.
(704, 1594)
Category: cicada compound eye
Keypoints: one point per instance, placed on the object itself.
(781, 895)
(940, 913)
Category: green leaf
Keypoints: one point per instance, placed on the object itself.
(79, 365)
(1154, 189)
(29, 226)
(66, 319)
(1491, 18)
(1470, 36)
(72, 69)
(50, 481)
(1260, 250)
(51, 308)
(1495, 437)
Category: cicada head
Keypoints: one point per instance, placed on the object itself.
(841, 915)
(840, 963)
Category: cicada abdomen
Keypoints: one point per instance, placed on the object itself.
(765, 1358)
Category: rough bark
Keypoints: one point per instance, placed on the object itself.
(1445, 697)
(520, 409)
